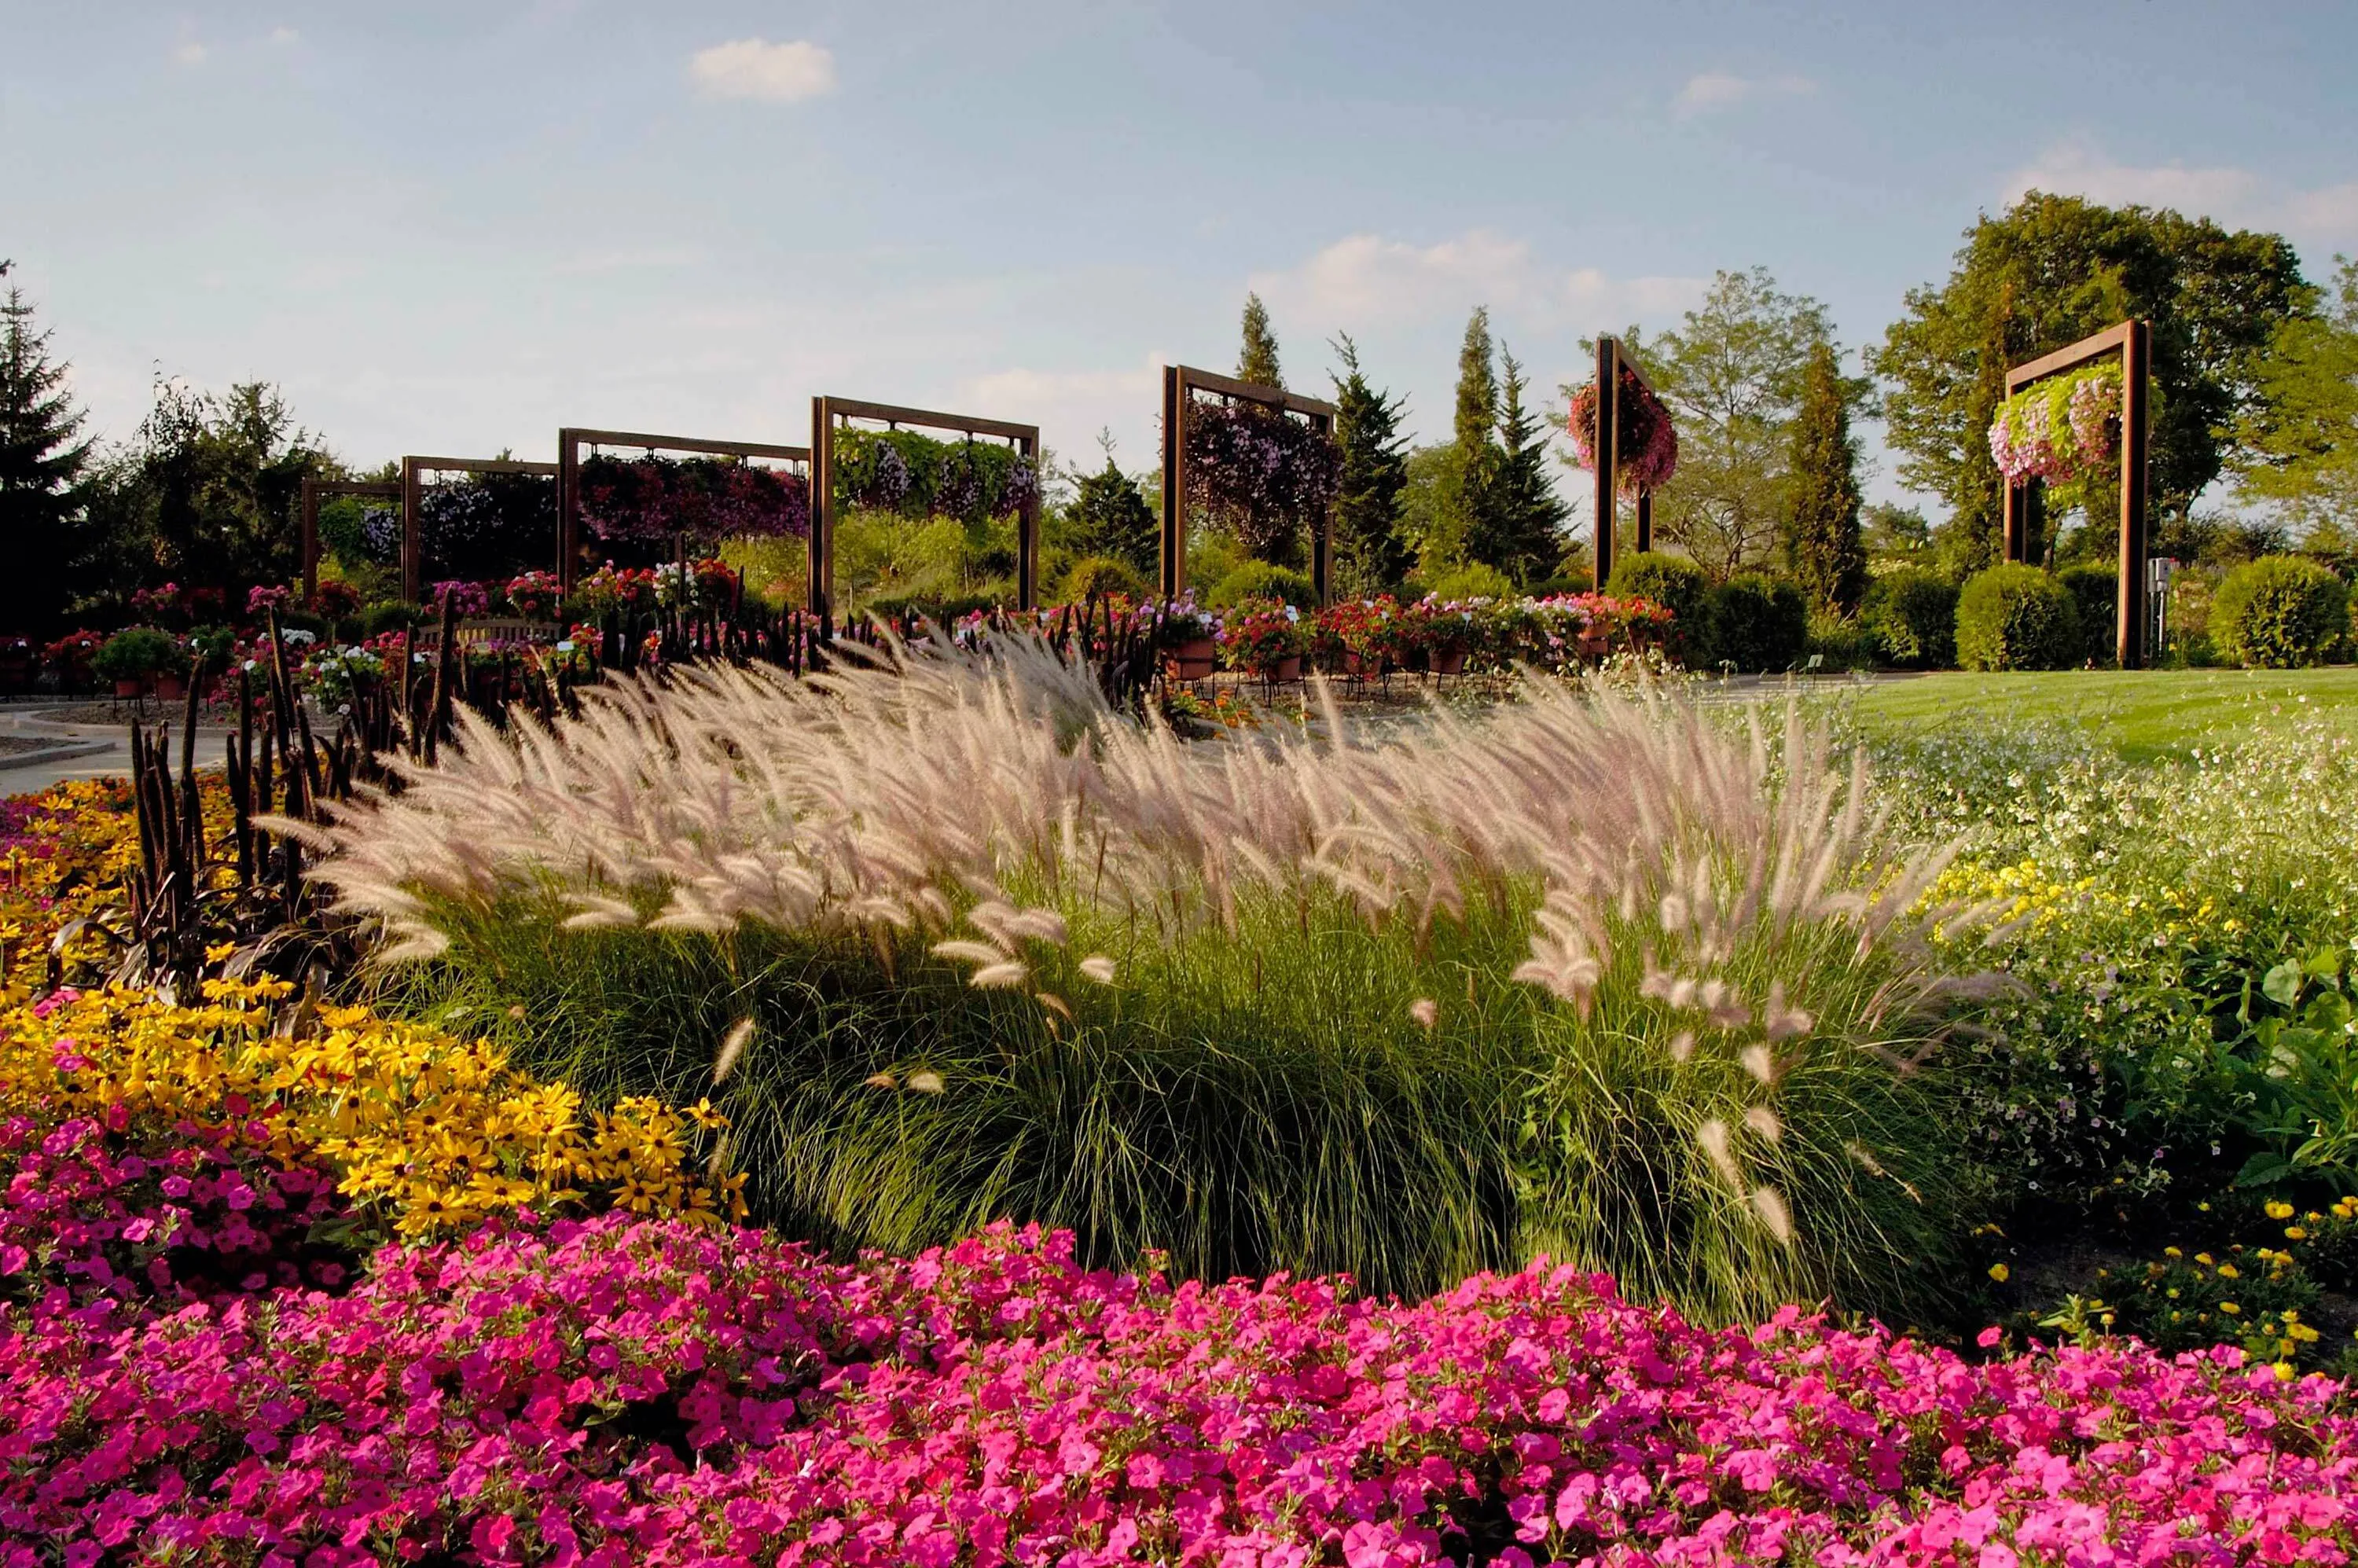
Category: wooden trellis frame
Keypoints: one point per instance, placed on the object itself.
(827, 412)
(313, 489)
(2133, 340)
(1178, 383)
(1610, 362)
(413, 491)
(570, 440)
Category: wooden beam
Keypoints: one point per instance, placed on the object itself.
(1609, 412)
(1175, 480)
(825, 412)
(2136, 367)
(2111, 341)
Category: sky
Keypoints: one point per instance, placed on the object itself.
(450, 227)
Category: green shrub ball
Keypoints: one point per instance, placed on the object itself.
(2016, 617)
(1911, 614)
(2280, 612)
(1759, 623)
(1261, 579)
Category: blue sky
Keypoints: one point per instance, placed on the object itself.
(450, 227)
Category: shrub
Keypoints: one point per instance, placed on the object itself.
(1565, 584)
(1673, 581)
(1844, 642)
(2095, 593)
(1261, 579)
(1101, 575)
(1758, 622)
(2280, 612)
(1912, 615)
(379, 619)
(1242, 1005)
(135, 652)
(2016, 617)
(1475, 579)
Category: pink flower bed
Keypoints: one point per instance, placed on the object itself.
(609, 1393)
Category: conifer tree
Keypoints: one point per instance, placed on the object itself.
(1523, 522)
(41, 472)
(1371, 556)
(1110, 516)
(1822, 536)
(1474, 456)
(1257, 362)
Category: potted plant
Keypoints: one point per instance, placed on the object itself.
(1190, 634)
(70, 655)
(131, 656)
(536, 595)
(1267, 639)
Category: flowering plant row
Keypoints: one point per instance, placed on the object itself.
(657, 499)
(609, 1393)
(917, 476)
(2060, 429)
(1645, 443)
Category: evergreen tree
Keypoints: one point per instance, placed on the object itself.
(1257, 362)
(1525, 516)
(41, 472)
(1475, 454)
(1371, 556)
(1974, 535)
(1822, 536)
(1110, 516)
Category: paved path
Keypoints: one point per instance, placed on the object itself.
(81, 750)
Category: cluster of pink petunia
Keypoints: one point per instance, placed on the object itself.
(609, 1393)
(2038, 434)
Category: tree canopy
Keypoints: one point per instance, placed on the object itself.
(1821, 540)
(1522, 524)
(2297, 445)
(1256, 360)
(2054, 269)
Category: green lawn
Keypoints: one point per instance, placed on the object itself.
(2143, 714)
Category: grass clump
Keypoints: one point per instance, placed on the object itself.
(951, 941)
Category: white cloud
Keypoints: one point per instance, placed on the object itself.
(754, 67)
(190, 52)
(1070, 406)
(2237, 197)
(284, 35)
(1366, 278)
(1711, 91)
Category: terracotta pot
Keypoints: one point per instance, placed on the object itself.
(1362, 665)
(1192, 660)
(129, 686)
(1288, 668)
(1448, 661)
(170, 686)
(1594, 644)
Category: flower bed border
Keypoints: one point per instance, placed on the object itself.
(1178, 381)
(571, 438)
(827, 413)
(2133, 340)
(413, 494)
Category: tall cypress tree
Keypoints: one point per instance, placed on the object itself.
(1257, 362)
(1474, 454)
(1523, 522)
(1821, 538)
(1110, 517)
(41, 472)
(1371, 556)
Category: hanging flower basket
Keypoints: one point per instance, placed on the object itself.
(1262, 474)
(1645, 443)
(2062, 430)
(654, 499)
(917, 476)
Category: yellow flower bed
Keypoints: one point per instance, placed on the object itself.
(65, 854)
(425, 1132)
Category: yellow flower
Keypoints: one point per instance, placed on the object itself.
(2229, 1308)
(2296, 1233)
(2229, 1272)
(2277, 1209)
(1999, 1271)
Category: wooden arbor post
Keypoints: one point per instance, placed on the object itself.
(1610, 362)
(827, 412)
(413, 492)
(313, 489)
(2133, 340)
(570, 440)
(1179, 383)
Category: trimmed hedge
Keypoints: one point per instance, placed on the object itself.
(1679, 586)
(1759, 623)
(2095, 593)
(1474, 579)
(2016, 617)
(2280, 612)
(1912, 617)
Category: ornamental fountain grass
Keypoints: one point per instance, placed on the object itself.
(1598, 977)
